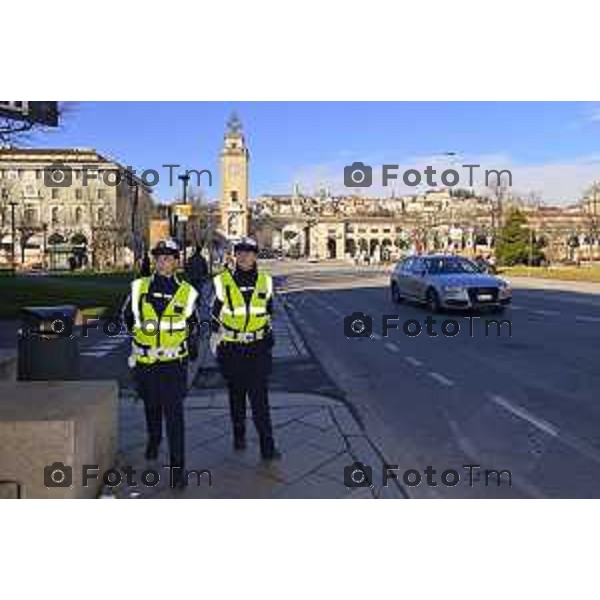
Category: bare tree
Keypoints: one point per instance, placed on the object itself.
(14, 130)
(591, 217)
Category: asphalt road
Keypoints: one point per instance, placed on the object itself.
(527, 403)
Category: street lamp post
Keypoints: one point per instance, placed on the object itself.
(136, 197)
(184, 179)
(13, 227)
(45, 233)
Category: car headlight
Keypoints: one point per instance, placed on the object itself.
(453, 289)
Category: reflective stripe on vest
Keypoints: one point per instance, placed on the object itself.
(235, 316)
(167, 332)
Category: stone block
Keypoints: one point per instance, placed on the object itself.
(45, 422)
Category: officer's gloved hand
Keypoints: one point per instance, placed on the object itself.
(215, 340)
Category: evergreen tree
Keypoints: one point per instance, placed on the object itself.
(516, 244)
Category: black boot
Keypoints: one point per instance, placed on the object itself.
(239, 444)
(178, 478)
(268, 451)
(273, 454)
(239, 437)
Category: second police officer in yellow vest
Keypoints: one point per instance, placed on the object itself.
(243, 340)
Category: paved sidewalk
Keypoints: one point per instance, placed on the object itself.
(318, 438)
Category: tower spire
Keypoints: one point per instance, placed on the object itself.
(234, 124)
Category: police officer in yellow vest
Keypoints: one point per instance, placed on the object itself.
(243, 340)
(160, 315)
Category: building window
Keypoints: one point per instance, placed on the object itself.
(386, 230)
(78, 194)
(55, 193)
(101, 194)
(374, 230)
(234, 196)
(30, 216)
(100, 215)
(362, 230)
(54, 214)
(78, 213)
(38, 174)
(4, 194)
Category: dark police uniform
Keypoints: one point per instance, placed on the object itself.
(246, 366)
(161, 374)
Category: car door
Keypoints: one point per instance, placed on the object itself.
(419, 271)
(405, 278)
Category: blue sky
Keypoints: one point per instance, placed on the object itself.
(553, 148)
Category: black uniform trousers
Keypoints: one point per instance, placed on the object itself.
(163, 386)
(246, 369)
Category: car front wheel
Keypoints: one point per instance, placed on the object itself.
(432, 300)
(396, 295)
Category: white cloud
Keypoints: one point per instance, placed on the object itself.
(559, 182)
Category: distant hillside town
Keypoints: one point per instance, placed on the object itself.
(78, 224)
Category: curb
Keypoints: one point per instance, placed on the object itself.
(351, 419)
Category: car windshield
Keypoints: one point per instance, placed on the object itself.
(450, 265)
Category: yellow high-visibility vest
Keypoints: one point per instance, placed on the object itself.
(235, 316)
(160, 338)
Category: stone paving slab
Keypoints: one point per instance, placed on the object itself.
(308, 430)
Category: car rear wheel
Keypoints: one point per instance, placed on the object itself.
(396, 295)
(432, 300)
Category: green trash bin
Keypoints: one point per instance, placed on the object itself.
(48, 344)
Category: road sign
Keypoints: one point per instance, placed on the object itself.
(44, 113)
(182, 211)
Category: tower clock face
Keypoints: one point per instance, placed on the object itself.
(234, 170)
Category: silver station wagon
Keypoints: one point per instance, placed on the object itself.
(447, 281)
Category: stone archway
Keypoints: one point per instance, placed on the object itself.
(331, 247)
(386, 249)
(373, 245)
(350, 247)
(58, 251)
(79, 245)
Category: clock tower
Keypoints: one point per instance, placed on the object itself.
(235, 213)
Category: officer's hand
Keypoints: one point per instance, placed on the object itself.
(215, 340)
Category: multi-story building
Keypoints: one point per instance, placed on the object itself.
(71, 215)
(381, 228)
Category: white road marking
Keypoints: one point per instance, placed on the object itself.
(586, 319)
(375, 336)
(546, 313)
(94, 354)
(413, 361)
(391, 346)
(517, 307)
(441, 379)
(525, 415)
